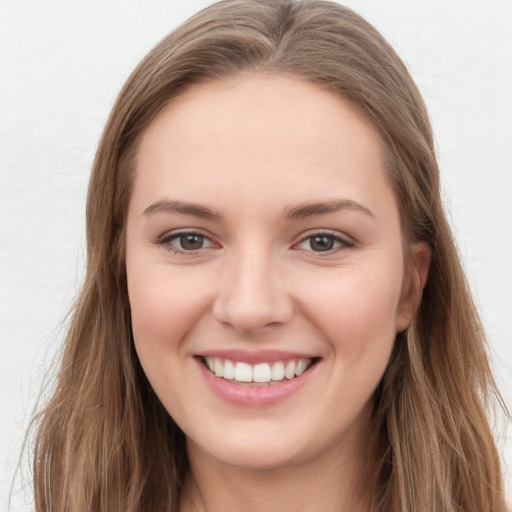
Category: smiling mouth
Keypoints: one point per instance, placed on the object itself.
(261, 374)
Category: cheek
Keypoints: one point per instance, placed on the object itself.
(165, 307)
(164, 303)
(356, 310)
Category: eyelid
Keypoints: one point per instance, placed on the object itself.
(345, 241)
(169, 236)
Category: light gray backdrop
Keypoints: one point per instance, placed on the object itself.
(61, 66)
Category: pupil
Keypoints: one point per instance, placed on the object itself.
(191, 242)
(321, 243)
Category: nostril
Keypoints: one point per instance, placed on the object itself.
(251, 315)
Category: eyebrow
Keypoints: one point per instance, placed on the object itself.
(175, 206)
(298, 212)
(303, 211)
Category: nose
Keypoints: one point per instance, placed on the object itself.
(252, 294)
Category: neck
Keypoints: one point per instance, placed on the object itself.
(327, 483)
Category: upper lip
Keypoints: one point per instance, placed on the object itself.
(255, 357)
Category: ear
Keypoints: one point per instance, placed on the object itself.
(415, 277)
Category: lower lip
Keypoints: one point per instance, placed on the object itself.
(253, 396)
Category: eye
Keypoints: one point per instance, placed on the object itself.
(324, 242)
(184, 242)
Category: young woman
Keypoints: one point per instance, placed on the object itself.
(274, 315)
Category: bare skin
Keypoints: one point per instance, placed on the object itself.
(262, 231)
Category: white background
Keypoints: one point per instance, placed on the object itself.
(61, 66)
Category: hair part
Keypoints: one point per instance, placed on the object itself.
(105, 442)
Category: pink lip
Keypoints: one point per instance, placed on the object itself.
(248, 396)
(262, 356)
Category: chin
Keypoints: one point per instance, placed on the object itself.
(253, 449)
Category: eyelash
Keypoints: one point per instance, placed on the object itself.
(166, 241)
(334, 238)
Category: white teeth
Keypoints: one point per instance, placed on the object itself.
(301, 366)
(289, 371)
(262, 373)
(243, 372)
(229, 370)
(218, 367)
(278, 371)
(259, 373)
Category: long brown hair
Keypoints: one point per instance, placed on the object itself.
(105, 443)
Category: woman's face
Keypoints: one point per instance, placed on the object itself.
(265, 269)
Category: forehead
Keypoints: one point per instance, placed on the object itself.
(270, 108)
(260, 134)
